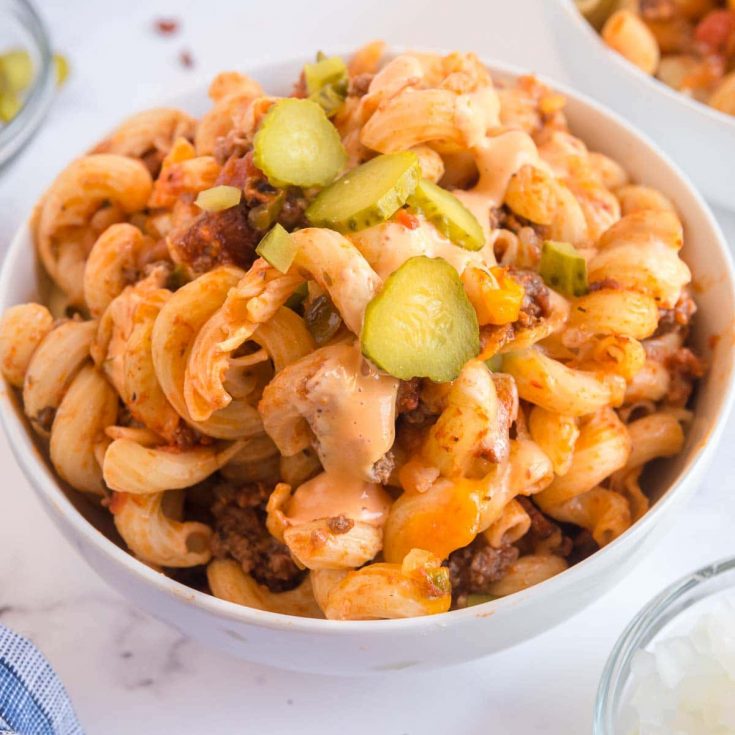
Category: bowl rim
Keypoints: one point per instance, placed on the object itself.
(18, 132)
(643, 628)
(583, 26)
(45, 483)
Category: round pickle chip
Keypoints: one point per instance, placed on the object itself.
(421, 324)
(448, 215)
(368, 195)
(296, 145)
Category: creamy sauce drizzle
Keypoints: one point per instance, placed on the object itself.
(386, 247)
(351, 410)
(326, 496)
(498, 159)
(475, 113)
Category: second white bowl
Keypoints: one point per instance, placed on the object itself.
(697, 137)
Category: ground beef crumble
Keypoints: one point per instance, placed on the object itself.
(584, 546)
(240, 534)
(678, 318)
(536, 304)
(473, 568)
(543, 528)
(409, 392)
(684, 367)
(230, 236)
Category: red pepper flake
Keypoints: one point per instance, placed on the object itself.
(713, 341)
(407, 219)
(186, 59)
(166, 26)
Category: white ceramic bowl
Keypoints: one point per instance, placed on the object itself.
(699, 138)
(378, 646)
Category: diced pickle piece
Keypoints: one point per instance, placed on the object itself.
(296, 145)
(264, 216)
(16, 71)
(218, 198)
(448, 215)
(367, 195)
(326, 82)
(330, 70)
(563, 268)
(277, 248)
(421, 324)
(329, 98)
(10, 106)
(322, 319)
(61, 66)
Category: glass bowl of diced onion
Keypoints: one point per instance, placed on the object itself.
(673, 668)
(27, 75)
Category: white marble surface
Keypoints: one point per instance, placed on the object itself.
(128, 673)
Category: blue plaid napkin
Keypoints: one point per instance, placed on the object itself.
(32, 699)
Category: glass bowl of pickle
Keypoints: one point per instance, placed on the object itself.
(28, 72)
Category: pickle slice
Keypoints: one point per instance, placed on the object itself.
(421, 324)
(367, 195)
(563, 268)
(448, 215)
(218, 198)
(277, 248)
(61, 67)
(326, 82)
(16, 71)
(10, 106)
(296, 145)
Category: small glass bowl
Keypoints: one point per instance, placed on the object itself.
(663, 609)
(22, 28)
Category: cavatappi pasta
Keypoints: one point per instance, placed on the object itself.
(394, 345)
(687, 44)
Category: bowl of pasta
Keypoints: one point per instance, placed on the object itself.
(389, 369)
(668, 66)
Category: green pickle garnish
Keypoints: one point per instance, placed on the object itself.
(367, 195)
(421, 324)
(296, 145)
(448, 215)
(218, 198)
(277, 248)
(563, 268)
(326, 82)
